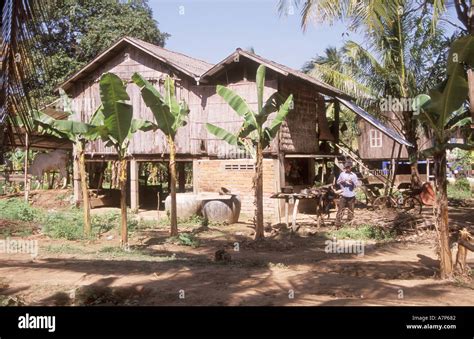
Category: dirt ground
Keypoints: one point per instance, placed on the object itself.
(286, 269)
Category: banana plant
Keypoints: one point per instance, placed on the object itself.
(444, 111)
(115, 125)
(79, 134)
(170, 115)
(255, 133)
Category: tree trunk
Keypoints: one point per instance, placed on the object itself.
(442, 224)
(26, 181)
(85, 191)
(172, 188)
(258, 190)
(410, 127)
(123, 202)
(470, 79)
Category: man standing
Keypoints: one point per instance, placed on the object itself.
(347, 181)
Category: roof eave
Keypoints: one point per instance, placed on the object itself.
(67, 84)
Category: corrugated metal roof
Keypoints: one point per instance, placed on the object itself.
(391, 133)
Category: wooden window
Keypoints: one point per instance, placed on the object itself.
(375, 138)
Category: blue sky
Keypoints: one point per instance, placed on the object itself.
(212, 29)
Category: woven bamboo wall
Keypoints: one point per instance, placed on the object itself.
(205, 106)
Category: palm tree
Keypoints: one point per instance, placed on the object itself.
(254, 135)
(398, 64)
(20, 67)
(369, 13)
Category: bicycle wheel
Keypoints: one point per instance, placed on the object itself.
(412, 205)
(380, 203)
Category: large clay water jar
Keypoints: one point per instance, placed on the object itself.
(187, 205)
(222, 210)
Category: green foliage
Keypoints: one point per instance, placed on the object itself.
(463, 184)
(458, 193)
(169, 114)
(462, 158)
(114, 119)
(192, 221)
(185, 239)
(105, 222)
(17, 209)
(363, 232)
(444, 110)
(254, 129)
(63, 225)
(79, 30)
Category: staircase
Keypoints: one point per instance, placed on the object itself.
(362, 171)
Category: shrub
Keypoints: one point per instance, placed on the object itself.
(18, 209)
(102, 223)
(194, 220)
(185, 239)
(463, 184)
(66, 225)
(363, 232)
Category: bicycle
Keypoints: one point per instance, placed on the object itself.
(407, 202)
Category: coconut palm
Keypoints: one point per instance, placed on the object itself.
(398, 63)
(369, 15)
(20, 67)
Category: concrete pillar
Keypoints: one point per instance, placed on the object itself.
(134, 185)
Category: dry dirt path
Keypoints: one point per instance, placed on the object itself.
(294, 271)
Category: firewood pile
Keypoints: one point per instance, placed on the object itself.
(402, 223)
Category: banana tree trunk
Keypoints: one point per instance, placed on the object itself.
(123, 202)
(85, 191)
(172, 188)
(442, 225)
(258, 190)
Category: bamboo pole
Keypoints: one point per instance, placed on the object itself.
(25, 179)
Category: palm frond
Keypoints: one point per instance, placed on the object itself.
(22, 69)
